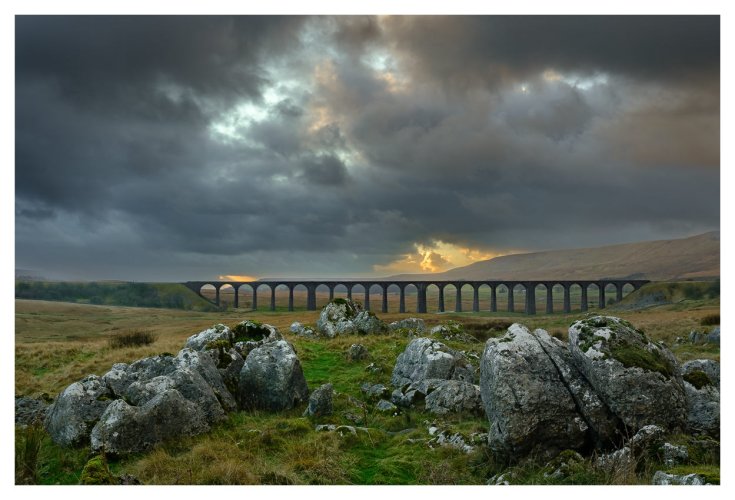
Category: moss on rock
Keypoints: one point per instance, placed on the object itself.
(698, 379)
(96, 472)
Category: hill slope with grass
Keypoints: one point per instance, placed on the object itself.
(164, 295)
(697, 257)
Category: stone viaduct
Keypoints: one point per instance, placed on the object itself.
(421, 287)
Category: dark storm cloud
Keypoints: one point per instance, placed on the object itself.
(178, 148)
(492, 49)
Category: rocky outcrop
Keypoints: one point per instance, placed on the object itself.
(124, 428)
(76, 410)
(452, 330)
(637, 379)
(320, 402)
(702, 385)
(367, 323)
(535, 400)
(272, 379)
(454, 396)
(426, 358)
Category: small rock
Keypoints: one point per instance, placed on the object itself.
(320, 402)
(374, 391)
(357, 352)
(373, 368)
(413, 327)
(455, 396)
(385, 406)
(30, 410)
(662, 478)
(426, 358)
(303, 330)
(674, 455)
(713, 337)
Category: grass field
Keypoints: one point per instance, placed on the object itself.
(58, 343)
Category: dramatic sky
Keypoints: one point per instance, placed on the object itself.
(178, 148)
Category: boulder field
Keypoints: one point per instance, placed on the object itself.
(541, 396)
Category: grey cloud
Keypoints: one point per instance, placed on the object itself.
(118, 174)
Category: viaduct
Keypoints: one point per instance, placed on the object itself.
(421, 287)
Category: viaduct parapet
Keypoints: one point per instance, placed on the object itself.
(529, 287)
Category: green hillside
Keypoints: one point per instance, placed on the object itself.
(164, 295)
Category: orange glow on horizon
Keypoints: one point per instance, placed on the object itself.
(436, 257)
(236, 277)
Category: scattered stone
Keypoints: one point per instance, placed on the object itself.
(620, 461)
(77, 409)
(702, 386)
(127, 479)
(713, 337)
(272, 379)
(674, 455)
(648, 438)
(373, 368)
(413, 327)
(454, 396)
(452, 330)
(426, 358)
(446, 437)
(697, 337)
(30, 410)
(357, 352)
(342, 430)
(502, 479)
(303, 330)
(123, 428)
(385, 406)
(374, 391)
(637, 379)
(663, 478)
(320, 402)
(564, 465)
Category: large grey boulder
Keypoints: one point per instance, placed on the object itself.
(526, 398)
(272, 379)
(248, 335)
(454, 396)
(124, 428)
(638, 380)
(702, 385)
(426, 358)
(76, 410)
(218, 332)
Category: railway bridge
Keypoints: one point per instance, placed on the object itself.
(421, 286)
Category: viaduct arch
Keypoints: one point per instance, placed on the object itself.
(529, 288)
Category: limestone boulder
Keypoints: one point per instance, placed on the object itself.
(30, 410)
(526, 400)
(413, 327)
(272, 378)
(320, 402)
(357, 352)
(336, 318)
(76, 410)
(426, 358)
(637, 379)
(367, 323)
(702, 385)
(216, 333)
(454, 396)
(124, 428)
(248, 335)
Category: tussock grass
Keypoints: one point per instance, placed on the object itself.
(710, 319)
(132, 339)
(27, 449)
(57, 344)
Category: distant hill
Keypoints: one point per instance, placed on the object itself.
(111, 293)
(697, 257)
